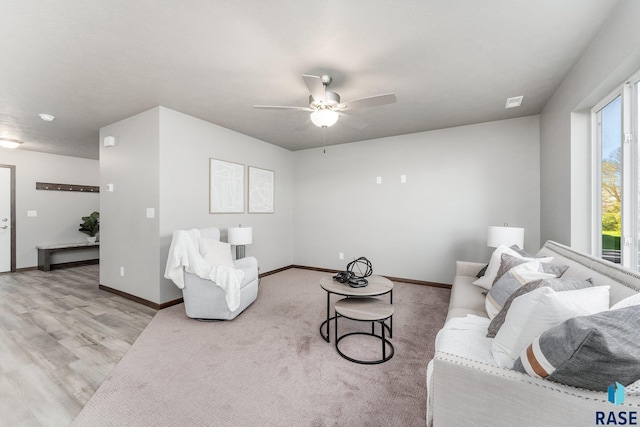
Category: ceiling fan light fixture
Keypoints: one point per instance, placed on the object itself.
(324, 117)
(9, 143)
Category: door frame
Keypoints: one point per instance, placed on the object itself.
(12, 173)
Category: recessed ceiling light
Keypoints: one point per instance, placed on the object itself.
(46, 117)
(516, 101)
(9, 143)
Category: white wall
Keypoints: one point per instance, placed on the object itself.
(459, 181)
(565, 145)
(59, 213)
(127, 237)
(161, 161)
(186, 145)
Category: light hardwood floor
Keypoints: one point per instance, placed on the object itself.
(60, 336)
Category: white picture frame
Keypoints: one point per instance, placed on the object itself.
(226, 187)
(262, 184)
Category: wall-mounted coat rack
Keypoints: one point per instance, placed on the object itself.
(67, 187)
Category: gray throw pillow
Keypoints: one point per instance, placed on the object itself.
(508, 283)
(557, 285)
(589, 352)
(507, 262)
(482, 271)
(521, 252)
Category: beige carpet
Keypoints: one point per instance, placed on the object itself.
(270, 367)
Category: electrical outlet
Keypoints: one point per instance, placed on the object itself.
(341, 255)
(379, 180)
(32, 213)
(403, 179)
(122, 271)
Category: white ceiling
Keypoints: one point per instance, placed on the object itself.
(92, 63)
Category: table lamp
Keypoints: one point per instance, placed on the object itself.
(240, 236)
(505, 235)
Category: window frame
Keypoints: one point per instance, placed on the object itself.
(629, 92)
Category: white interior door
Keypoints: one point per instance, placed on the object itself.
(5, 219)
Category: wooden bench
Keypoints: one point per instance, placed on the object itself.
(45, 251)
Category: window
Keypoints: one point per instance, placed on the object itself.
(617, 185)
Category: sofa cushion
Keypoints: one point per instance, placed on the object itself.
(491, 272)
(517, 272)
(539, 310)
(589, 352)
(557, 284)
(466, 298)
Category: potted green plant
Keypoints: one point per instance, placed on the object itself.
(91, 226)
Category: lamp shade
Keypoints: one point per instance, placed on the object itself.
(324, 117)
(240, 235)
(507, 236)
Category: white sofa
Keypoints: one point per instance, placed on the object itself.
(467, 388)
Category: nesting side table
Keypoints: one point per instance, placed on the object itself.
(377, 286)
(365, 310)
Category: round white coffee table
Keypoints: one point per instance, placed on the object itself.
(377, 286)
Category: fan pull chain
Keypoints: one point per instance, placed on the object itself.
(324, 140)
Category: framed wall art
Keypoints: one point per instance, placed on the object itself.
(226, 187)
(261, 190)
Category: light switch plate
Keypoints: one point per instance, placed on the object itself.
(110, 187)
(151, 213)
(32, 213)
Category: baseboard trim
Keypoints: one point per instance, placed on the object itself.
(278, 270)
(157, 306)
(21, 270)
(139, 300)
(75, 264)
(393, 279)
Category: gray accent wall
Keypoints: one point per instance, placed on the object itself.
(459, 181)
(58, 213)
(565, 128)
(161, 161)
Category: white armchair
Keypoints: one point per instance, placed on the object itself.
(203, 299)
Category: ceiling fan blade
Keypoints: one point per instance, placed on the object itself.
(281, 107)
(370, 101)
(315, 86)
(352, 121)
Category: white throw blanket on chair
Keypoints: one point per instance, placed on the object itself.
(184, 253)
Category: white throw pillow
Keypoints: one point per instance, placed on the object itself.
(490, 274)
(215, 252)
(627, 302)
(539, 310)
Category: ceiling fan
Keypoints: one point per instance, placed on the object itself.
(325, 106)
